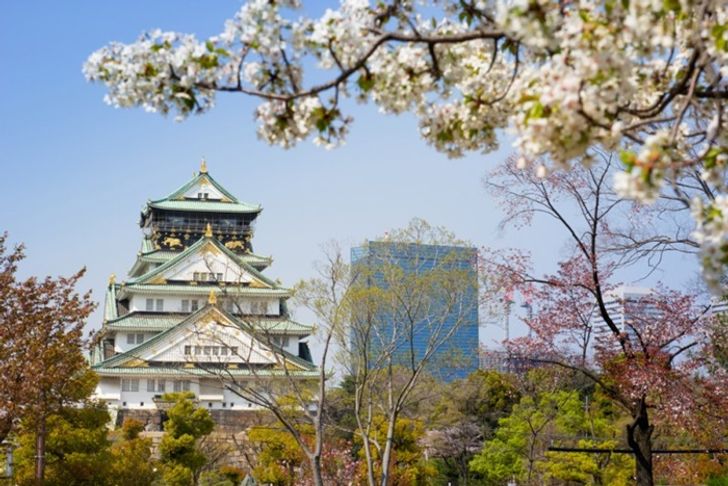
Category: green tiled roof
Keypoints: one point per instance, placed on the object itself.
(110, 302)
(205, 205)
(134, 352)
(169, 371)
(150, 321)
(194, 248)
(282, 326)
(201, 289)
(147, 321)
(162, 256)
(176, 201)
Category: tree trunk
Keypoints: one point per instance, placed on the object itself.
(318, 479)
(40, 438)
(386, 457)
(639, 438)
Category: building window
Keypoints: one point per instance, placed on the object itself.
(155, 386)
(198, 350)
(207, 350)
(196, 276)
(150, 305)
(194, 305)
(130, 384)
(185, 305)
(219, 277)
(130, 339)
(181, 385)
(188, 350)
(234, 350)
(160, 305)
(223, 351)
(139, 338)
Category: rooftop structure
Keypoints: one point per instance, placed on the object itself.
(196, 307)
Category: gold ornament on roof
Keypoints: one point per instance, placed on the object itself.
(212, 298)
(208, 231)
(203, 166)
(112, 279)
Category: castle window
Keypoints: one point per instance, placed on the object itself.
(181, 385)
(130, 339)
(234, 350)
(185, 305)
(155, 385)
(194, 305)
(207, 350)
(130, 384)
(188, 350)
(150, 305)
(198, 350)
(160, 305)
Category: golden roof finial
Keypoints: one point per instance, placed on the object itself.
(112, 279)
(203, 166)
(212, 298)
(208, 231)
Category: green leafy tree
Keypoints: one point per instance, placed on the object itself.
(519, 449)
(464, 417)
(280, 459)
(77, 448)
(408, 466)
(180, 456)
(132, 457)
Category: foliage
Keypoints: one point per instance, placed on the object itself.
(42, 318)
(77, 448)
(407, 465)
(279, 458)
(464, 417)
(132, 457)
(180, 457)
(519, 447)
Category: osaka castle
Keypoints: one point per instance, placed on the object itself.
(196, 313)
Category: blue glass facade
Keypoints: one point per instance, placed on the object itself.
(453, 325)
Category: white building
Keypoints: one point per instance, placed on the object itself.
(196, 308)
(630, 308)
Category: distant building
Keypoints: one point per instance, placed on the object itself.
(504, 362)
(629, 308)
(457, 356)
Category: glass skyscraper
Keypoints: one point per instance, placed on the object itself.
(435, 311)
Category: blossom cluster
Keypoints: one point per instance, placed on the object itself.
(640, 76)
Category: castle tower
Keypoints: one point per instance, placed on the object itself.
(196, 308)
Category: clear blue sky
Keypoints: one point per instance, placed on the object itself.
(76, 172)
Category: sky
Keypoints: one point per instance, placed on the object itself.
(77, 172)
